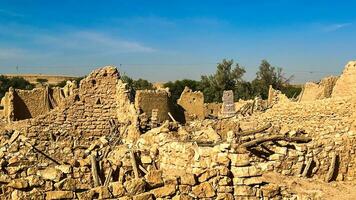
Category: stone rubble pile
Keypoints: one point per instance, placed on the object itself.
(93, 147)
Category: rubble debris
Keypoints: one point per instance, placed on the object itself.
(346, 84)
(192, 104)
(314, 91)
(92, 146)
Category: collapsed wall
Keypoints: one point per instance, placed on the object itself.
(275, 96)
(314, 91)
(30, 103)
(212, 109)
(148, 100)
(192, 104)
(76, 151)
(88, 111)
(328, 122)
(25, 104)
(346, 84)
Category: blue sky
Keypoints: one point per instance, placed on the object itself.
(169, 40)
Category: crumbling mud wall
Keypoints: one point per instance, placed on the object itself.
(278, 153)
(25, 104)
(30, 103)
(86, 112)
(7, 102)
(192, 103)
(346, 84)
(275, 96)
(212, 109)
(314, 91)
(147, 100)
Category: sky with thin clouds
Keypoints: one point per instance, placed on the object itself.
(170, 40)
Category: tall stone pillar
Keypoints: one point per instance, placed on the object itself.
(228, 105)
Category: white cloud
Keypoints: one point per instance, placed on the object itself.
(90, 41)
(10, 13)
(69, 40)
(335, 27)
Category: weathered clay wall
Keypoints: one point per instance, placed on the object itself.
(8, 105)
(56, 95)
(87, 112)
(313, 91)
(213, 109)
(25, 104)
(30, 103)
(346, 84)
(192, 103)
(146, 100)
(275, 96)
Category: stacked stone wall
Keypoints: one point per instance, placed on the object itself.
(147, 100)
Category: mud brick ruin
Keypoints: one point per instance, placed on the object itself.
(104, 141)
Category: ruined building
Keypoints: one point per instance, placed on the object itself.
(90, 144)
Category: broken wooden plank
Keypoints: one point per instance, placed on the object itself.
(121, 175)
(94, 170)
(108, 177)
(172, 118)
(331, 172)
(134, 164)
(307, 167)
(275, 138)
(143, 169)
(259, 130)
(13, 137)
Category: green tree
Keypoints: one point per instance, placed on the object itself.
(225, 78)
(291, 91)
(42, 81)
(268, 75)
(15, 82)
(176, 88)
(139, 84)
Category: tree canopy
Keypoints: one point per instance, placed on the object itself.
(15, 82)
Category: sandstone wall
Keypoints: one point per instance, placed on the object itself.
(30, 103)
(313, 91)
(25, 104)
(213, 109)
(192, 103)
(87, 112)
(8, 105)
(275, 96)
(146, 100)
(346, 84)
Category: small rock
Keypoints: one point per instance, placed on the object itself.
(52, 195)
(143, 196)
(165, 191)
(51, 173)
(203, 190)
(208, 174)
(154, 178)
(102, 192)
(135, 186)
(67, 169)
(19, 183)
(117, 189)
(188, 179)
